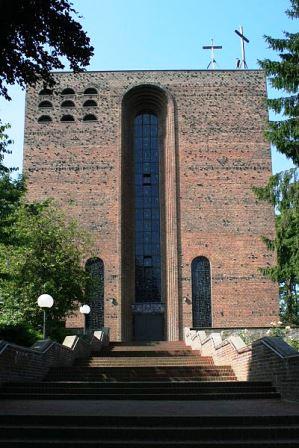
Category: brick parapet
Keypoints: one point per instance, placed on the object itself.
(266, 359)
(21, 364)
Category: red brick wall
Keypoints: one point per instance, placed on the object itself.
(267, 359)
(221, 154)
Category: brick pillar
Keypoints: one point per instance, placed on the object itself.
(171, 239)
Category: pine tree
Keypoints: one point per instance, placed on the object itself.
(282, 190)
(284, 74)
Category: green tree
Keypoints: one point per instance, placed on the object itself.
(284, 74)
(283, 192)
(11, 190)
(40, 251)
(34, 35)
(45, 258)
(282, 189)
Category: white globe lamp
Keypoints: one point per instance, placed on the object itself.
(45, 301)
(85, 310)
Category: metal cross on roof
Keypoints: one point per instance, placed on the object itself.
(242, 63)
(212, 47)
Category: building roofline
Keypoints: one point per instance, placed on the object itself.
(160, 70)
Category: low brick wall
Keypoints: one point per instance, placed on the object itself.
(250, 333)
(19, 364)
(267, 359)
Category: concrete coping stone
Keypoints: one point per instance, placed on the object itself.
(4, 345)
(279, 346)
(276, 344)
(237, 342)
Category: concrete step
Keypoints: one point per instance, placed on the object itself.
(144, 361)
(144, 433)
(155, 344)
(146, 369)
(143, 348)
(42, 431)
(113, 379)
(169, 421)
(194, 385)
(58, 443)
(115, 352)
(139, 391)
(139, 373)
(142, 395)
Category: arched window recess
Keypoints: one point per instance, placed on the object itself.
(45, 105)
(68, 91)
(90, 91)
(67, 118)
(90, 117)
(46, 92)
(90, 103)
(68, 103)
(44, 119)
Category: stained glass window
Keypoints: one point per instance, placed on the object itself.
(201, 292)
(147, 209)
(95, 293)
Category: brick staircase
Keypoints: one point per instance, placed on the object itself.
(151, 362)
(168, 373)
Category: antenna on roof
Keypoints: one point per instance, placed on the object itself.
(244, 39)
(212, 47)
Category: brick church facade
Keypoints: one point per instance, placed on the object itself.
(159, 166)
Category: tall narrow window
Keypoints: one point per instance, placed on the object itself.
(147, 209)
(201, 292)
(95, 293)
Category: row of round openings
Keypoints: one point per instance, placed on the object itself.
(66, 118)
(67, 103)
(69, 91)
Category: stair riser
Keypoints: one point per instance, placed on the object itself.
(134, 365)
(128, 374)
(142, 371)
(52, 420)
(148, 434)
(112, 379)
(141, 353)
(142, 396)
(127, 390)
(237, 384)
(142, 444)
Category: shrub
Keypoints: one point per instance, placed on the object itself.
(20, 334)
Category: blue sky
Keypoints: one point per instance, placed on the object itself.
(166, 34)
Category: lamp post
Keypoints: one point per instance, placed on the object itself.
(84, 309)
(45, 301)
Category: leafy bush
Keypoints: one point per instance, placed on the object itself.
(57, 332)
(20, 334)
